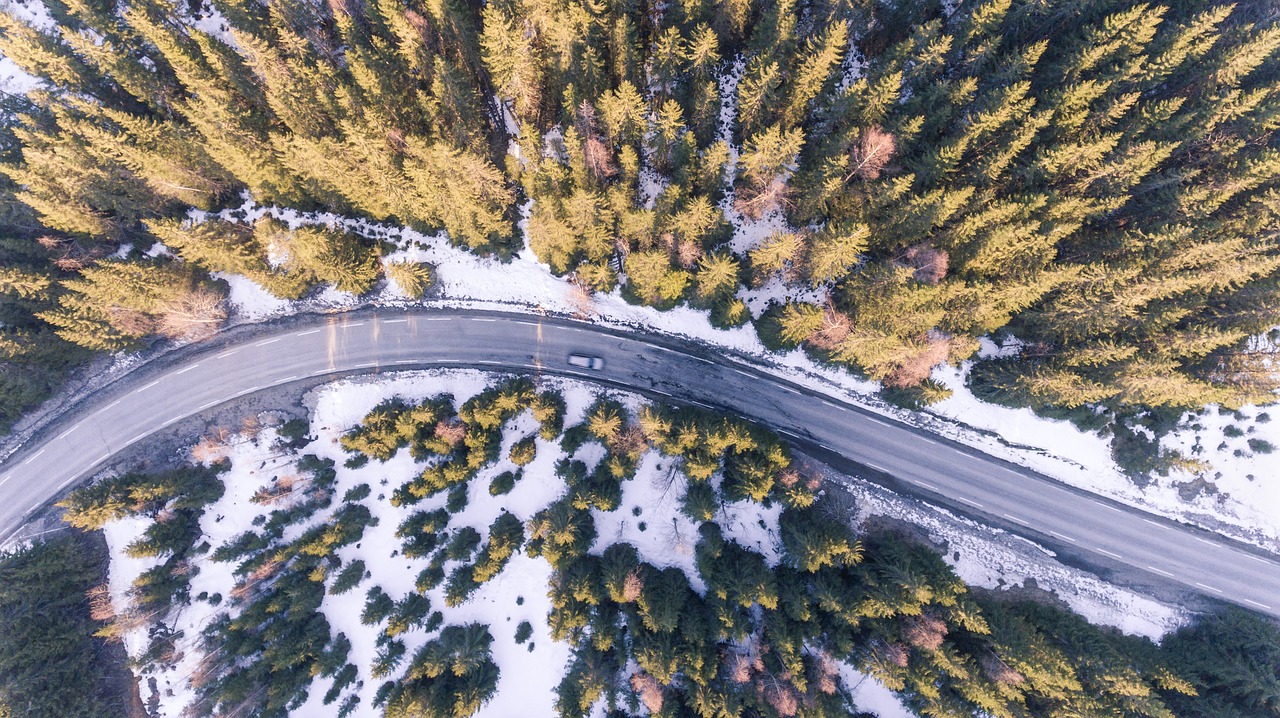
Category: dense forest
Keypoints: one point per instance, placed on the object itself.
(53, 602)
(1093, 177)
(737, 633)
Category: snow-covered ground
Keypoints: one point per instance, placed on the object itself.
(519, 592)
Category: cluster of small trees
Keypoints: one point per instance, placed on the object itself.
(985, 170)
(450, 677)
(262, 657)
(286, 262)
(175, 500)
(765, 640)
(461, 441)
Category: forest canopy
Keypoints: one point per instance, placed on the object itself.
(1096, 179)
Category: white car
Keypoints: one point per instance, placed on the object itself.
(586, 362)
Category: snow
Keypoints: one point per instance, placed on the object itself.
(250, 301)
(988, 349)
(982, 556)
(1242, 481)
(871, 696)
(158, 250)
(223, 520)
(854, 66)
(1239, 500)
(14, 80)
(668, 537)
(776, 291)
(210, 21)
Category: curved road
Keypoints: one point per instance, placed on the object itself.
(1079, 526)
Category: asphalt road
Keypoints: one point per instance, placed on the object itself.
(1078, 525)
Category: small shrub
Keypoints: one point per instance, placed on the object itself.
(457, 500)
(503, 483)
(412, 278)
(294, 432)
(1232, 431)
(464, 542)
(356, 494)
(699, 502)
(460, 586)
(1261, 446)
(523, 632)
(345, 677)
(411, 611)
(350, 577)
(917, 396)
(387, 659)
(377, 606)
(429, 578)
(523, 452)
(434, 621)
(769, 329)
(573, 438)
(729, 313)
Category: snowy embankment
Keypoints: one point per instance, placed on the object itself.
(648, 517)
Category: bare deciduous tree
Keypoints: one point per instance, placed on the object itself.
(834, 330)
(930, 264)
(999, 671)
(687, 253)
(780, 695)
(871, 154)
(451, 432)
(193, 316)
(579, 298)
(649, 689)
(755, 202)
(100, 606)
(599, 157)
(893, 654)
(632, 586)
(917, 368)
(925, 632)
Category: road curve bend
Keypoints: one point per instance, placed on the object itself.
(1103, 533)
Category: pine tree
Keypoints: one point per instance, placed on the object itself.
(817, 63)
(412, 278)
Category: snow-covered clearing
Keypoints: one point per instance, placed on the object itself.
(648, 517)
